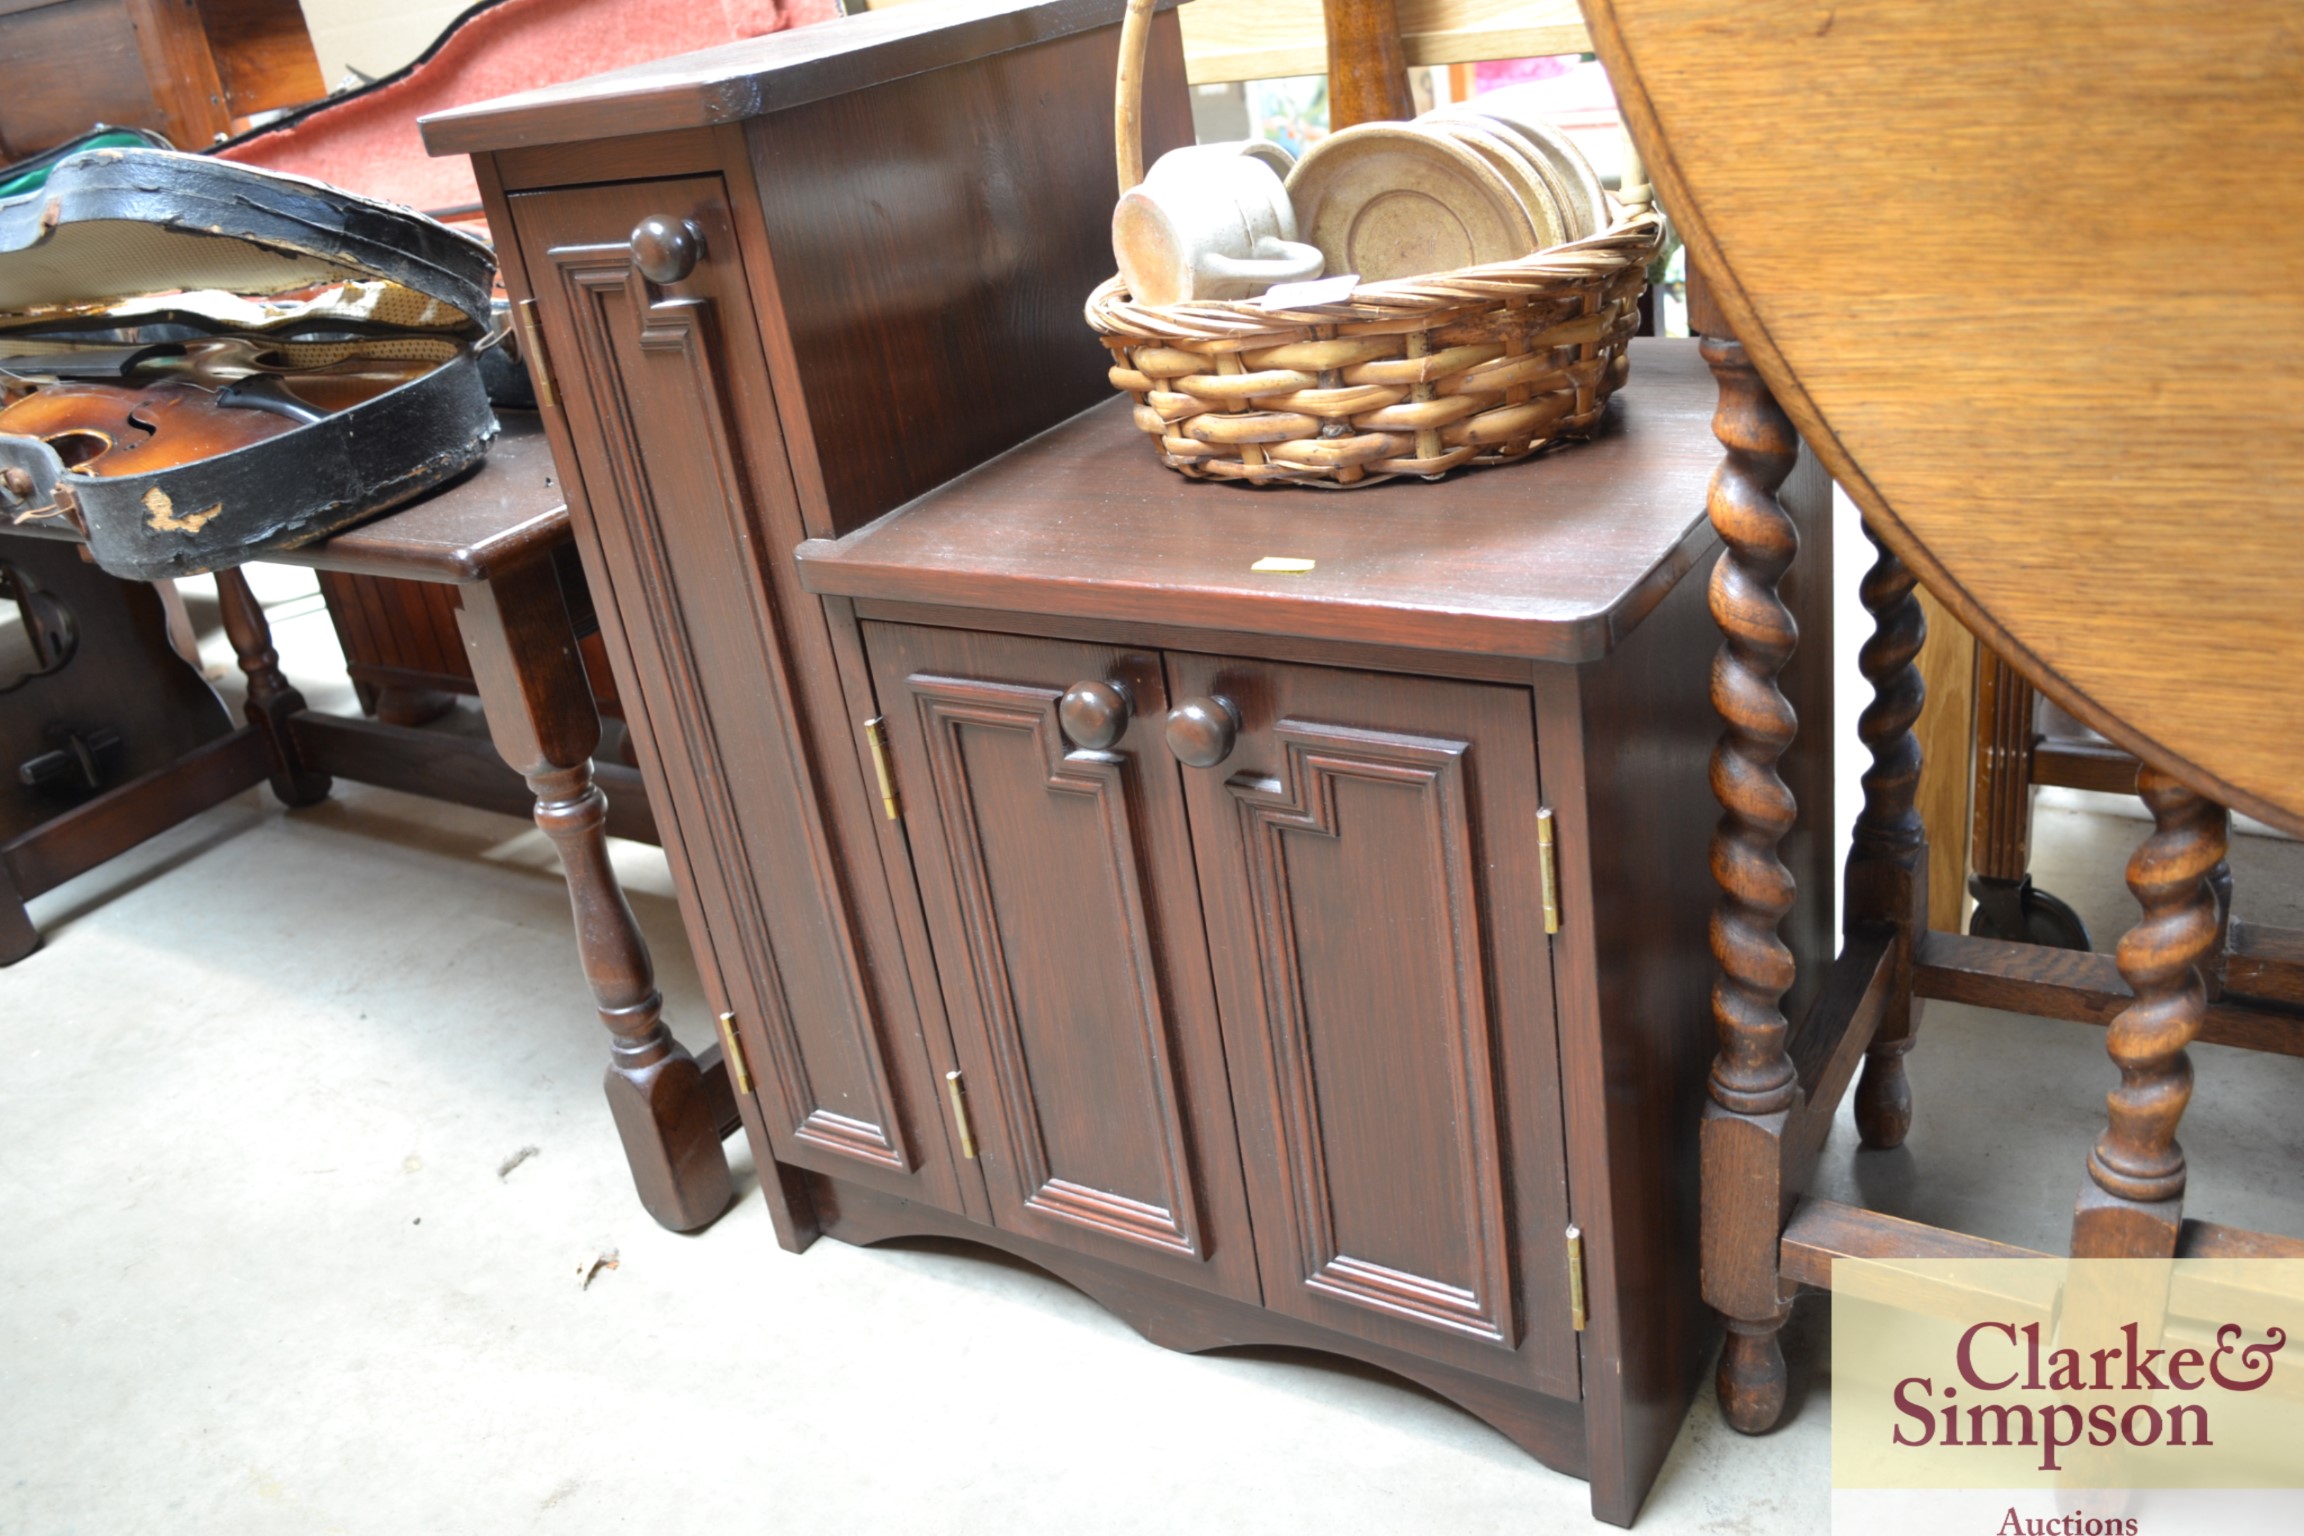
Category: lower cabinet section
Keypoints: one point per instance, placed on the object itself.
(1247, 969)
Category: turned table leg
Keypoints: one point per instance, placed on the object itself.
(1753, 1085)
(541, 715)
(273, 701)
(2133, 1203)
(2008, 905)
(1887, 880)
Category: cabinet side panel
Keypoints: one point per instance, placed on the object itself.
(933, 241)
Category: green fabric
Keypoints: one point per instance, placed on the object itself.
(35, 175)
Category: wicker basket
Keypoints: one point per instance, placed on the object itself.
(1415, 376)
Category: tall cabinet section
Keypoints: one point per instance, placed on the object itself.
(769, 298)
(1311, 958)
(671, 417)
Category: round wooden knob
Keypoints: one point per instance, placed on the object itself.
(666, 250)
(1094, 715)
(17, 481)
(1201, 731)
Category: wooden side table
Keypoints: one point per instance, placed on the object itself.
(500, 540)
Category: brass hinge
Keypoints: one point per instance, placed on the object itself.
(1550, 868)
(739, 1070)
(1576, 1315)
(876, 736)
(959, 1096)
(532, 350)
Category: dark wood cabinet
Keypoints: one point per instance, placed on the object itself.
(1310, 959)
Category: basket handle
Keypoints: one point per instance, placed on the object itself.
(1128, 92)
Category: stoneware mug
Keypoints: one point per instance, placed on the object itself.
(1205, 160)
(1211, 221)
(1194, 159)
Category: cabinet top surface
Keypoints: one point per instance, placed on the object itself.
(1554, 559)
(763, 74)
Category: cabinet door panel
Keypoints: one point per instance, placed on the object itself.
(1066, 923)
(689, 501)
(1368, 860)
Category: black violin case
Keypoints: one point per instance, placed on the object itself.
(125, 250)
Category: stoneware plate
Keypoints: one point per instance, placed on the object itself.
(1587, 203)
(1532, 181)
(1387, 200)
(1570, 201)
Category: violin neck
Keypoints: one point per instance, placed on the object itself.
(56, 360)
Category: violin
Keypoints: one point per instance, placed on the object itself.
(210, 398)
(122, 429)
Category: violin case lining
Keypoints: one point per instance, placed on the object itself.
(119, 225)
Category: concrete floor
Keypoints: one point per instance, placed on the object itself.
(263, 1273)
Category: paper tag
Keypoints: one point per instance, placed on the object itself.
(1287, 565)
(1320, 290)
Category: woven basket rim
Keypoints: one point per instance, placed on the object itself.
(1632, 240)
